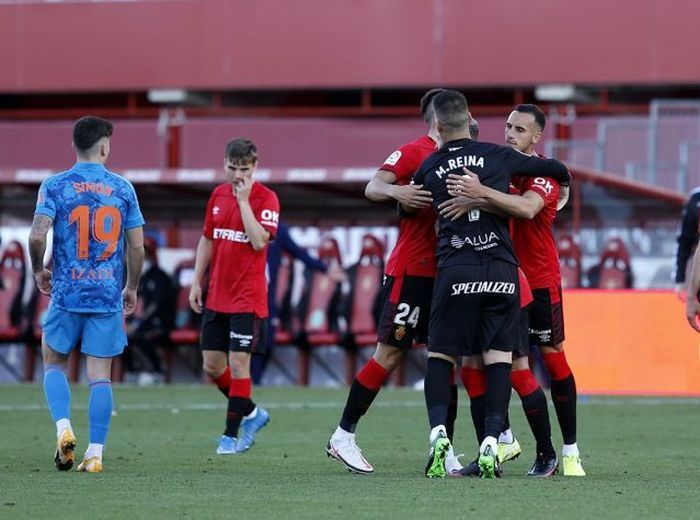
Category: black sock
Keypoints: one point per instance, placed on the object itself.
(564, 398)
(506, 422)
(537, 414)
(498, 389)
(478, 411)
(451, 412)
(437, 390)
(360, 398)
(237, 409)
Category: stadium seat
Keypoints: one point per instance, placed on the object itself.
(570, 262)
(12, 275)
(318, 313)
(614, 270)
(361, 308)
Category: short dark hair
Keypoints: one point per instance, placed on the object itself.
(537, 113)
(426, 103)
(241, 151)
(451, 110)
(474, 129)
(88, 130)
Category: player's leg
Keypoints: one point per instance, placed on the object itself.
(214, 343)
(103, 339)
(437, 396)
(497, 366)
(248, 336)
(534, 404)
(61, 332)
(547, 318)
(404, 317)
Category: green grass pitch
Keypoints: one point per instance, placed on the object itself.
(642, 457)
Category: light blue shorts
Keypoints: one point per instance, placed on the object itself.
(102, 334)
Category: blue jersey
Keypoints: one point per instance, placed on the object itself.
(91, 208)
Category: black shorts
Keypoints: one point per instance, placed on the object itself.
(239, 332)
(523, 347)
(546, 317)
(405, 304)
(475, 308)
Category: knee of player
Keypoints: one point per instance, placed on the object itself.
(387, 356)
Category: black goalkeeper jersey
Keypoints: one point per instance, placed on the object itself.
(479, 236)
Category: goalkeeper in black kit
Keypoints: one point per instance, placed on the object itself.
(476, 299)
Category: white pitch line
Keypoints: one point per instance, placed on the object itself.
(322, 405)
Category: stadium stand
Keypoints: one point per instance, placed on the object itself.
(570, 262)
(614, 270)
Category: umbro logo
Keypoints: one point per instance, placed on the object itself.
(454, 149)
(215, 210)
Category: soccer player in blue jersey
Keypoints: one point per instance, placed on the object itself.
(94, 213)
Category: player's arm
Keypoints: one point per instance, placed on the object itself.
(37, 250)
(201, 262)
(382, 188)
(692, 305)
(517, 163)
(257, 234)
(524, 206)
(134, 265)
(687, 237)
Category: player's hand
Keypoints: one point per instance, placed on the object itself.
(129, 296)
(457, 206)
(195, 298)
(681, 291)
(242, 189)
(412, 196)
(692, 312)
(43, 280)
(467, 185)
(337, 274)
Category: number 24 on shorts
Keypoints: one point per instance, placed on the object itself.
(406, 315)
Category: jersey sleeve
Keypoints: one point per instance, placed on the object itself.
(402, 163)
(134, 218)
(45, 202)
(545, 187)
(268, 213)
(517, 163)
(208, 228)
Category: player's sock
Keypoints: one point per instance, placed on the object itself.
(535, 407)
(100, 410)
(63, 424)
(57, 392)
(94, 450)
(570, 449)
(563, 394)
(437, 390)
(498, 389)
(367, 384)
(506, 435)
(239, 405)
(474, 380)
(223, 382)
(452, 408)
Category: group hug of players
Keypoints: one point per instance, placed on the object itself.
(480, 294)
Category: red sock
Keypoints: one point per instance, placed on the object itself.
(474, 380)
(373, 375)
(223, 382)
(241, 388)
(524, 382)
(557, 366)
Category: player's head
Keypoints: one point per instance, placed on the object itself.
(241, 160)
(426, 104)
(452, 115)
(91, 136)
(524, 127)
(474, 129)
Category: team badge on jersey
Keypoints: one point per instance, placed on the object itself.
(400, 333)
(393, 158)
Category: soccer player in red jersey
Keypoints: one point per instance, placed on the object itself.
(406, 293)
(535, 210)
(241, 219)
